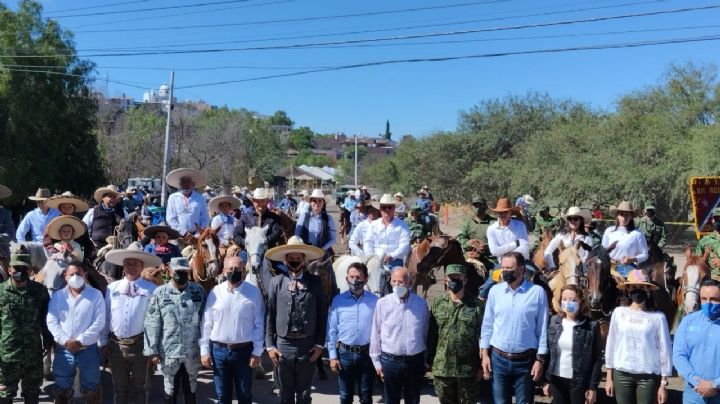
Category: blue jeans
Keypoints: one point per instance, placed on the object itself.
(232, 367)
(356, 368)
(402, 377)
(88, 362)
(510, 378)
(690, 396)
(624, 270)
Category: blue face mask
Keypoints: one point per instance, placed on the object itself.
(711, 310)
(570, 306)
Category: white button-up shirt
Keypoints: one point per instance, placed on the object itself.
(81, 318)
(302, 208)
(226, 229)
(399, 327)
(125, 309)
(568, 241)
(233, 316)
(183, 213)
(356, 238)
(392, 240)
(631, 245)
(502, 240)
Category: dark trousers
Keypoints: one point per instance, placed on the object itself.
(635, 389)
(129, 372)
(563, 392)
(231, 367)
(356, 369)
(456, 390)
(402, 377)
(295, 373)
(511, 377)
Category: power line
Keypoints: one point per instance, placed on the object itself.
(122, 3)
(477, 56)
(142, 10)
(188, 69)
(129, 84)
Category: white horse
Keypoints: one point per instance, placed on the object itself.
(258, 267)
(376, 272)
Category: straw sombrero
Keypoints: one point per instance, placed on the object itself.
(294, 245)
(4, 192)
(68, 197)
(109, 189)
(623, 206)
(173, 177)
(150, 231)
(574, 211)
(214, 204)
(637, 277)
(53, 228)
(117, 257)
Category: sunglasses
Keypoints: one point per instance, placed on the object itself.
(236, 269)
(387, 207)
(573, 219)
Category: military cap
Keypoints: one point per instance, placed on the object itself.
(478, 200)
(416, 209)
(650, 205)
(455, 269)
(19, 260)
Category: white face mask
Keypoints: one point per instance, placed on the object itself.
(76, 281)
(400, 291)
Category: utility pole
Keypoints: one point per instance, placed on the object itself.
(356, 157)
(166, 157)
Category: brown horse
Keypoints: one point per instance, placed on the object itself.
(661, 271)
(696, 270)
(445, 251)
(602, 294)
(204, 261)
(539, 255)
(569, 273)
(419, 251)
(288, 225)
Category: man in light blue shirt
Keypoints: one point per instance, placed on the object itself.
(348, 336)
(350, 201)
(36, 220)
(186, 209)
(696, 349)
(513, 339)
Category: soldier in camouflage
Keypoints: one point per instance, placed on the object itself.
(419, 230)
(544, 220)
(172, 331)
(23, 332)
(712, 240)
(473, 234)
(652, 227)
(453, 350)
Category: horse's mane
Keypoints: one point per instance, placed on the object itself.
(601, 253)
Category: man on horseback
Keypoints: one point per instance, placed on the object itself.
(36, 220)
(473, 234)
(288, 204)
(186, 208)
(419, 230)
(652, 227)
(223, 224)
(388, 237)
(260, 216)
(544, 221)
(350, 201)
(424, 202)
(103, 218)
(507, 234)
(356, 238)
(712, 240)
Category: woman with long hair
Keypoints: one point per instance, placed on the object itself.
(573, 232)
(626, 244)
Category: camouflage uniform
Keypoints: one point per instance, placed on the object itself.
(172, 330)
(22, 324)
(552, 223)
(653, 229)
(712, 240)
(418, 228)
(453, 348)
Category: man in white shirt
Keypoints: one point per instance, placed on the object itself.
(507, 234)
(304, 203)
(126, 302)
(223, 224)
(356, 237)
(186, 208)
(233, 329)
(389, 236)
(76, 318)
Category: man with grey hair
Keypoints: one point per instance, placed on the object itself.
(398, 353)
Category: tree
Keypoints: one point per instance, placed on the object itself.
(388, 135)
(280, 118)
(307, 157)
(300, 138)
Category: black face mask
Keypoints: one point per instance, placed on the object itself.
(638, 296)
(356, 285)
(235, 277)
(480, 211)
(509, 276)
(456, 285)
(21, 275)
(180, 277)
(295, 266)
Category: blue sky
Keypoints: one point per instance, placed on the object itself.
(417, 98)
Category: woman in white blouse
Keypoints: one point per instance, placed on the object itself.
(627, 244)
(637, 354)
(573, 232)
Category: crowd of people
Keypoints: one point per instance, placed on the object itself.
(490, 345)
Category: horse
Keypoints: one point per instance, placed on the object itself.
(661, 271)
(259, 270)
(287, 223)
(602, 291)
(127, 231)
(539, 256)
(569, 272)
(376, 273)
(345, 224)
(324, 270)
(418, 252)
(204, 262)
(445, 251)
(36, 250)
(696, 269)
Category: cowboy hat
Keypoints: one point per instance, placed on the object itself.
(425, 187)
(387, 199)
(151, 231)
(504, 205)
(260, 193)
(637, 277)
(289, 192)
(317, 194)
(422, 191)
(208, 188)
(236, 190)
(399, 195)
(102, 191)
(53, 228)
(214, 204)
(174, 176)
(42, 194)
(573, 211)
(69, 198)
(364, 188)
(350, 192)
(4, 192)
(477, 200)
(130, 190)
(623, 206)
(294, 245)
(528, 199)
(117, 257)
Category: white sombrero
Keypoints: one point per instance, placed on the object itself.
(173, 177)
(573, 211)
(109, 189)
(260, 193)
(528, 199)
(117, 257)
(387, 199)
(53, 228)
(214, 204)
(294, 245)
(69, 198)
(4, 192)
(317, 194)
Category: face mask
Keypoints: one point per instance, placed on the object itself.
(355, 285)
(570, 306)
(509, 276)
(294, 266)
(479, 211)
(21, 275)
(638, 296)
(711, 310)
(76, 281)
(186, 191)
(180, 277)
(455, 285)
(400, 291)
(235, 277)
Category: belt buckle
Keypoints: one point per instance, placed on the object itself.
(355, 349)
(126, 341)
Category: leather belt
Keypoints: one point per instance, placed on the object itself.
(295, 335)
(516, 357)
(127, 341)
(233, 346)
(354, 348)
(402, 358)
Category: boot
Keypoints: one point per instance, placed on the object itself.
(63, 396)
(170, 398)
(93, 396)
(190, 398)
